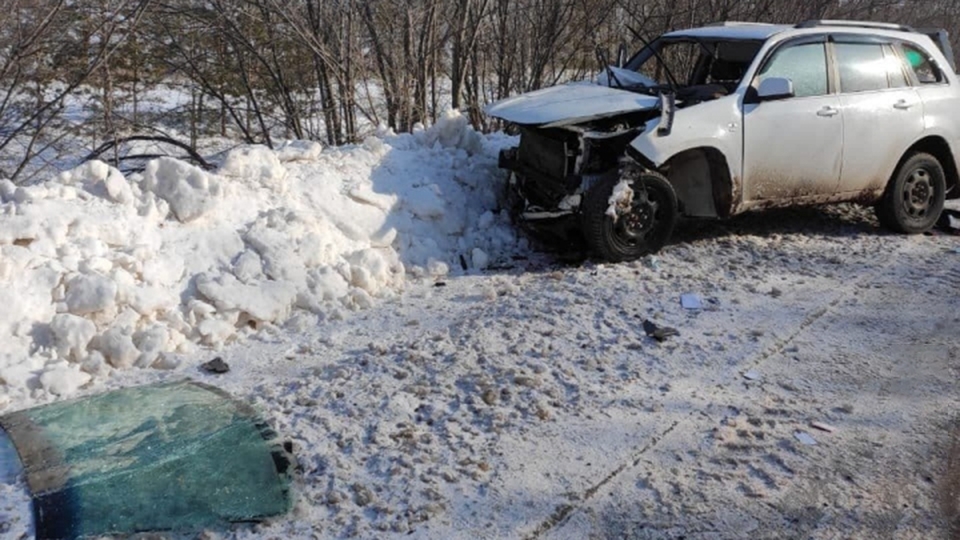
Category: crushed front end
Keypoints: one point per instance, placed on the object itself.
(552, 168)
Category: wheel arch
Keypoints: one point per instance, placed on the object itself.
(939, 148)
(702, 178)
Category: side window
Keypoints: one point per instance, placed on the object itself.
(921, 64)
(805, 65)
(863, 67)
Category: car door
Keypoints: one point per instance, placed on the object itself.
(882, 114)
(793, 147)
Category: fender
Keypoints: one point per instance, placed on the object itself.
(716, 124)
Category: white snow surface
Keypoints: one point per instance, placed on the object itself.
(101, 272)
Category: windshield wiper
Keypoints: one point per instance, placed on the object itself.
(673, 80)
(611, 76)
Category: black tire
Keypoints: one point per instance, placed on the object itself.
(914, 198)
(642, 229)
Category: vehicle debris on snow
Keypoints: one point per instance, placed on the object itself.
(216, 366)
(659, 333)
(805, 438)
(821, 426)
(171, 456)
(691, 302)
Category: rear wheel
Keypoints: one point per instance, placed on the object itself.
(636, 222)
(915, 196)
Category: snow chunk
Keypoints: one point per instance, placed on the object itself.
(620, 199)
(293, 151)
(64, 380)
(101, 180)
(72, 335)
(191, 192)
(426, 202)
(267, 301)
(19, 229)
(118, 348)
(151, 343)
(480, 259)
(88, 294)
(258, 164)
(453, 130)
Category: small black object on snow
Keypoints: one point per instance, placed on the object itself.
(949, 221)
(217, 366)
(658, 333)
(440, 284)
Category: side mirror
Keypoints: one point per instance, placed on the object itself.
(622, 55)
(775, 88)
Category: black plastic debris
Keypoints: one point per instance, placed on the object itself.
(949, 221)
(167, 457)
(216, 366)
(659, 333)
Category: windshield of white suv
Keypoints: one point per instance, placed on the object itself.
(686, 62)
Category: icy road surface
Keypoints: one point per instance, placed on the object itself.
(527, 402)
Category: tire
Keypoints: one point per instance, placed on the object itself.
(643, 227)
(915, 196)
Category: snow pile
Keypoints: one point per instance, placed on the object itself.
(101, 272)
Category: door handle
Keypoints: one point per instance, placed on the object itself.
(827, 112)
(903, 105)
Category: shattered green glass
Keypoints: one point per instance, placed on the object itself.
(174, 456)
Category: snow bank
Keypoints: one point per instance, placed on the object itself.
(101, 272)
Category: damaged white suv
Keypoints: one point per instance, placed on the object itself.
(714, 121)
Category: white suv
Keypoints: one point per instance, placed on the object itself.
(715, 121)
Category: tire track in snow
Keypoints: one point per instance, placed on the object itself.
(563, 513)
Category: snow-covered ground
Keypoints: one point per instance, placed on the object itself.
(515, 398)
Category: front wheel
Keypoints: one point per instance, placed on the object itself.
(914, 199)
(629, 217)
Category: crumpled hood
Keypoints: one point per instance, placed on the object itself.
(569, 104)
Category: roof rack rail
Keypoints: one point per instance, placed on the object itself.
(738, 23)
(855, 24)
